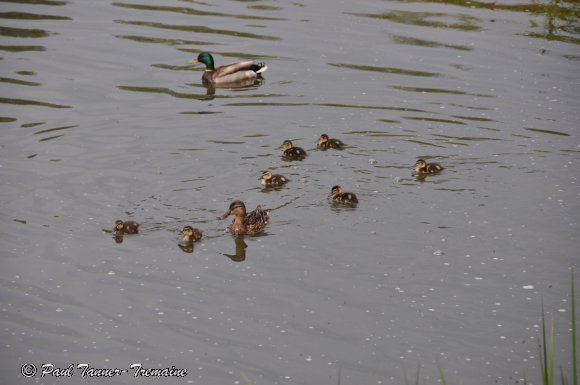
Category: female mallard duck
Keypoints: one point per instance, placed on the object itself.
(127, 227)
(324, 142)
(251, 223)
(190, 234)
(422, 167)
(292, 152)
(272, 180)
(228, 73)
(342, 197)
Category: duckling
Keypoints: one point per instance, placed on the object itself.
(342, 197)
(292, 152)
(190, 234)
(229, 73)
(127, 227)
(247, 223)
(324, 142)
(272, 180)
(422, 167)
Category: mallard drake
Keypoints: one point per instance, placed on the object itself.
(272, 180)
(324, 142)
(190, 234)
(422, 167)
(127, 227)
(346, 198)
(292, 152)
(228, 73)
(247, 223)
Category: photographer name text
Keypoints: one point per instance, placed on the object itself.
(85, 370)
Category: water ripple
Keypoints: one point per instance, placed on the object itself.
(197, 29)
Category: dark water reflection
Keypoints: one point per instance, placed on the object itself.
(102, 118)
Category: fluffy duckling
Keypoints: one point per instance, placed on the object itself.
(247, 223)
(324, 143)
(346, 198)
(272, 180)
(422, 167)
(228, 73)
(127, 227)
(292, 152)
(190, 234)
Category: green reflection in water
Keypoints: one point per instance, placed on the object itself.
(427, 43)
(439, 91)
(54, 129)
(369, 107)
(198, 29)
(200, 112)
(30, 16)
(26, 102)
(398, 71)
(51, 138)
(224, 142)
(38, 2)
(5, 119)
(467, 23)
(560, 16)
(265, 7)
(156, 40)
(553, 37)
(434, 120)
(379, 133)
(474, 118)
(28, 125)
(190, 11)
(21, 48)
(19, 82)
(466, 138)
(551, 132)
(21, 32)
(266, 104)
(424, 143)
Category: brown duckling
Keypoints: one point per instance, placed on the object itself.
(247, 223)
(324, 143)
(272, 180)
(127, 227)
(190, 234)
(346, 198)
(292, 152)
(240, 72)
(422, 167)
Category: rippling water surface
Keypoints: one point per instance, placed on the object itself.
(102, 118)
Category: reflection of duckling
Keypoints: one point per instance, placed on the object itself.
(247, 223)
(324, 142)
(422, 167)
(190, 234)
(229, 73)
(292, 152)
(127, 227)
(268, 179)
(342, 197)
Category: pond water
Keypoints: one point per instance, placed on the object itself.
(103, 118)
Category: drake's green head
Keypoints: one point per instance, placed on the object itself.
(205, 58)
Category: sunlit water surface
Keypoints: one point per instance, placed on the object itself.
(102, 118)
